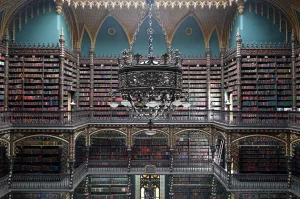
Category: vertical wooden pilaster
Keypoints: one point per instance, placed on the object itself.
(294, 85)
(228, 160)
(222, 79)
(238, 70)
(77, 79)
(71, 159)
(289, 159)
(92, 78)
(208, 105)
(11, 159)
(61, 74)
(6, 40)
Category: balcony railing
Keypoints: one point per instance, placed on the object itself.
(295, 185)
(259, 181)
(73, 118)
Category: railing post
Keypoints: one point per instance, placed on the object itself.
(71, 168)
(10, 172)
(129, 159)
(213, 188)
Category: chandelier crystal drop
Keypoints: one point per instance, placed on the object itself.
(150, 89)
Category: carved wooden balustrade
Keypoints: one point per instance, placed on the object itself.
(74, 118)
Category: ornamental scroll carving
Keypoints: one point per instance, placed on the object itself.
(150, 79)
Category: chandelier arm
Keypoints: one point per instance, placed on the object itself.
(144, 15)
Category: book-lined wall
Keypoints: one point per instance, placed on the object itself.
(193, 147)
(261, 155)
(150, 147)
(266, 83)
(296, 161)
(215, 84)
(191, 186)
(230, 81)
(108, 145)
(108, 187)
(34, 81)
(84, 86)
(261, 195)
(41, 155)
(62, 195)
(80, 151)
(3, 161)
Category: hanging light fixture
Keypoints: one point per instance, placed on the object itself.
(150, 89)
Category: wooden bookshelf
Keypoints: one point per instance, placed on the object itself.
(191, 186)
(230, 80)
(192, 147)
(261, 155)
(296, 162)
(215, 84)
(70, 73)
(84, 86)
(108, 186)
(108, 146)
(33, 83)
(150, 148)
(262, 195)
(80, 151)
(43, 195)
(3, 161)
(41, 155)
(195, 80)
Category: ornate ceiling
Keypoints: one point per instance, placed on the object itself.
(210, 14)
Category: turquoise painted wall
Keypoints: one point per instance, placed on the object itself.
(85, 44)
(111, 44)
(44, 28)
(257, 28)
(159, 42)
(192, 44)
(214, 44)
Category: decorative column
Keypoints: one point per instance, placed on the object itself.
(87, 148)
(71, 159)
(294, 85)
(128, 144)
(213, 188)
(61, 74)
(11, 157)
(238, 70)
(289, 157)
(6, 40)
(91, 78)
(228, 160)
(222, 79)
(208, 105)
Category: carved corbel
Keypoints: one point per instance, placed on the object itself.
(241, 6)
(59, 5)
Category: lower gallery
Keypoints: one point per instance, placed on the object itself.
(203, 104)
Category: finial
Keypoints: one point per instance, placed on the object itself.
(238, 33)
(62, 31)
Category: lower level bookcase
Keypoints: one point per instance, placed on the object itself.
(296, 162)
(43, 195)
(3, 162)
(261, 195)
(108, 187)
(191, 186)
(41, 155)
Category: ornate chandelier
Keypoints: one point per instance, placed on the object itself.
(150, 89)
